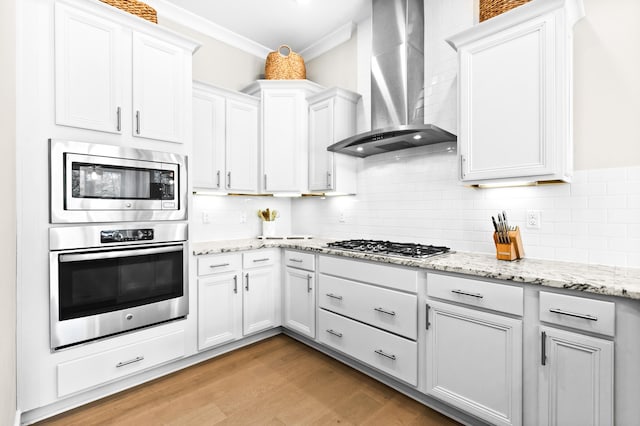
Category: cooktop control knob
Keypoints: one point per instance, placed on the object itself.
(117, 236)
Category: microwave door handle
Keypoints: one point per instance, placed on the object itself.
(79, 257)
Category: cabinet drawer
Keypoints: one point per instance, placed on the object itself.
(259, 258)
(300, 260)
(581, 313)
(391, 354)
(383, 308)
(219, 263)
(497, 297)
(375, 273)
(83, 373)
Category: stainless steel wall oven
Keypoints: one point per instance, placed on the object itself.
(106, 183)
(106, 279)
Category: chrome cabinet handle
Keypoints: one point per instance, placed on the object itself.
(265, 181)
(462, 166)
(543, 346)
(264, 259)
(427, 315)
(247, 285)
(131, 361)
(118, 119)
(334, 296)
(573, 314)
(384, 354)
(309, 283)
(296, 260)
(335, 333)
(220, 265)
(384, 311)
(464, 293)
(235, 284)
(329, 183)
(137, 122)
(228, 180)
(218, 182)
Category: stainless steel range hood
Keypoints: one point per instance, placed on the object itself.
(397, 84)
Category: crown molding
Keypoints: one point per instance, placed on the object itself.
(328, 42)
(190, 20)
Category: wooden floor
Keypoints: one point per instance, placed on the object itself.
(275, 382)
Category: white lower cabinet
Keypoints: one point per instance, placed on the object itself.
(219, 309)
(299, 294)
(575, 381)
(94, 370)
(261, 298)
(384, 351)
(474, 362)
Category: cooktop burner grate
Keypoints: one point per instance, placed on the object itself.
(389, 248)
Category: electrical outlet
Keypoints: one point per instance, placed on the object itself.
(205, 217)
(243, 218)
(342, 218)
(533, 219)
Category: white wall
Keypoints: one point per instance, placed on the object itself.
(337, 67)
(218, 63)
(7, 214)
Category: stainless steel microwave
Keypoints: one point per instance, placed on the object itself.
(106, 183)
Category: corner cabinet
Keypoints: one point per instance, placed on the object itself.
(515, 94)
(284, 119)
(225, 140)
(332, 118)
(117, 73)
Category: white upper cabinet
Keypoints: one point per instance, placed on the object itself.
(87, 70)
(332, 118)
(117, 73)
(158, 89)
(284, 121)
(225, 140)
(515, 98)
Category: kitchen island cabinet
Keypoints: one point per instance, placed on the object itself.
(515, 94)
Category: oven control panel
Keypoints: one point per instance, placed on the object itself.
(122, 235)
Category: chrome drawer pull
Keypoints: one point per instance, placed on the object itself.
(335, 333)
(221, 265)
(384, 354)
(464, 293)
(296, 260)
(384, 311)
(334, 296)
(131, 361)
(573, 314)
(264, 259)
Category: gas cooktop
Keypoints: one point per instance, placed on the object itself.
(389, 248)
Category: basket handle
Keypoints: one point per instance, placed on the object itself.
(286, 47)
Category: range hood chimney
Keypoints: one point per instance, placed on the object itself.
(397, 84)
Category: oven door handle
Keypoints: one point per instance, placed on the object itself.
(79, 257)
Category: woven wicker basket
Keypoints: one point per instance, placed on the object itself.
(289, 66)
(135, 8)
(491, 8)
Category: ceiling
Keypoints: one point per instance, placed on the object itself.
(271, 23)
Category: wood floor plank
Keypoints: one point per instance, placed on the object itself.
(278, 381)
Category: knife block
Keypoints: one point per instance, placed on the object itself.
(510, 251)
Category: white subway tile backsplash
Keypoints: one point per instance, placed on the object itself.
(414, 195)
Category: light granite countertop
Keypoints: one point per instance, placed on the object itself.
(606, 280)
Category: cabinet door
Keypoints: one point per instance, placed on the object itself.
(208, 140)
(474, 362)
(219, 310)
(321, 128)
(260, 309)
(242, 146)
(87, 71)
(508, 103)
(284, 138)
(575, 380)
(299, 301)
(158, 89)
